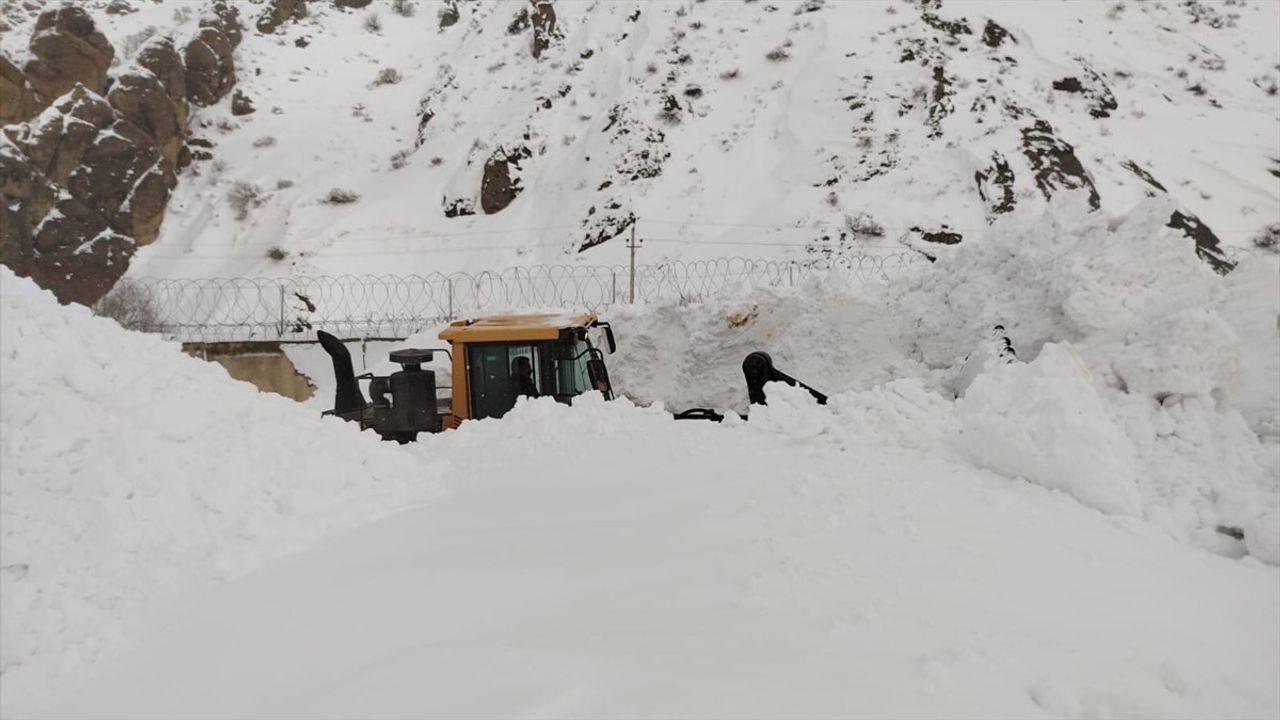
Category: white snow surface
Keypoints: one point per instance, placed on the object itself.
(897, 552)
(131, 474)
(740, 571)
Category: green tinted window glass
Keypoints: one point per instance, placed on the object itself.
(501, 372)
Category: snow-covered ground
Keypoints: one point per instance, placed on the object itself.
(1092, 530)
(1048, 542)
(739, 572)
(131, 474)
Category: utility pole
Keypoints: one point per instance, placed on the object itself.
(632, 245)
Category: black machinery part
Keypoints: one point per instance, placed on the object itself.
(401, 404)
(759, 371)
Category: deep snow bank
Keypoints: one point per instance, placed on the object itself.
(1168, 407)
(131, 473)
(606, 560)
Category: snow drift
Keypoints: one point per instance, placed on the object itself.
(1165, 406)
(131, 474)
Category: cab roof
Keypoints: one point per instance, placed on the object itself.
(502, 328)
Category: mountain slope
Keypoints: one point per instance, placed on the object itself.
(725, 128)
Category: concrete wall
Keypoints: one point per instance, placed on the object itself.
(263, 364)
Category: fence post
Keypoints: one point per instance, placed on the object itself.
(450, 298)
(280, 325)
(632, 245)
(615, 287)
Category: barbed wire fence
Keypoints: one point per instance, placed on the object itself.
(354, 306)
(396, 306)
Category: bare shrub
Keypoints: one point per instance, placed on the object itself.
(777, 54)
(338, 196)
(863, 225)
(732, 74)
(387, 76)
(373, 23)
(284, 184)
(131, 306)
(264, 141)
(400, 159)
(244, 196)
(1268, 238)
(403, 8)
(277, 253)
(437, 161)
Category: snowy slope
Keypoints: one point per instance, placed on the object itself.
(739, 572)
(131, 474)
(934, 116)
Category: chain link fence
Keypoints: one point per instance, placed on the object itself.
(238, 309)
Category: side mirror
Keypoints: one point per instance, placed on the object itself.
(608, 336)
(599, 376)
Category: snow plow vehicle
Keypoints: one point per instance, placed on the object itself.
(493, 361)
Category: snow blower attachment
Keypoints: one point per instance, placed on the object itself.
(401, 405)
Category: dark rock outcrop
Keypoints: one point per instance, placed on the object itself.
(86, 177)
(1208, 247)
(352, 4)
(211, 70)
(449, 14)
(543, 19)
(995, 185)
(18, 101)
(89, 182)
(994, 36)
(141, 99)
(67, 50)
(157, 63)
(498, 188)
(1054, 163)
(278, 12)
(241, 104)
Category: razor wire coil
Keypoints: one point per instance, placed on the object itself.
(293, 308)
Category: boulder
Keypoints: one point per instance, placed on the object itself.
(241, 104)
(56, 140)
(29, 196)
(79, 256)
(211, 71)
(278, 12)
(18, 101)
(449, 15)
(543, 20)
(498, 188)
(67, 50)
(112, 168)
(143, 101)
(224, 17)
